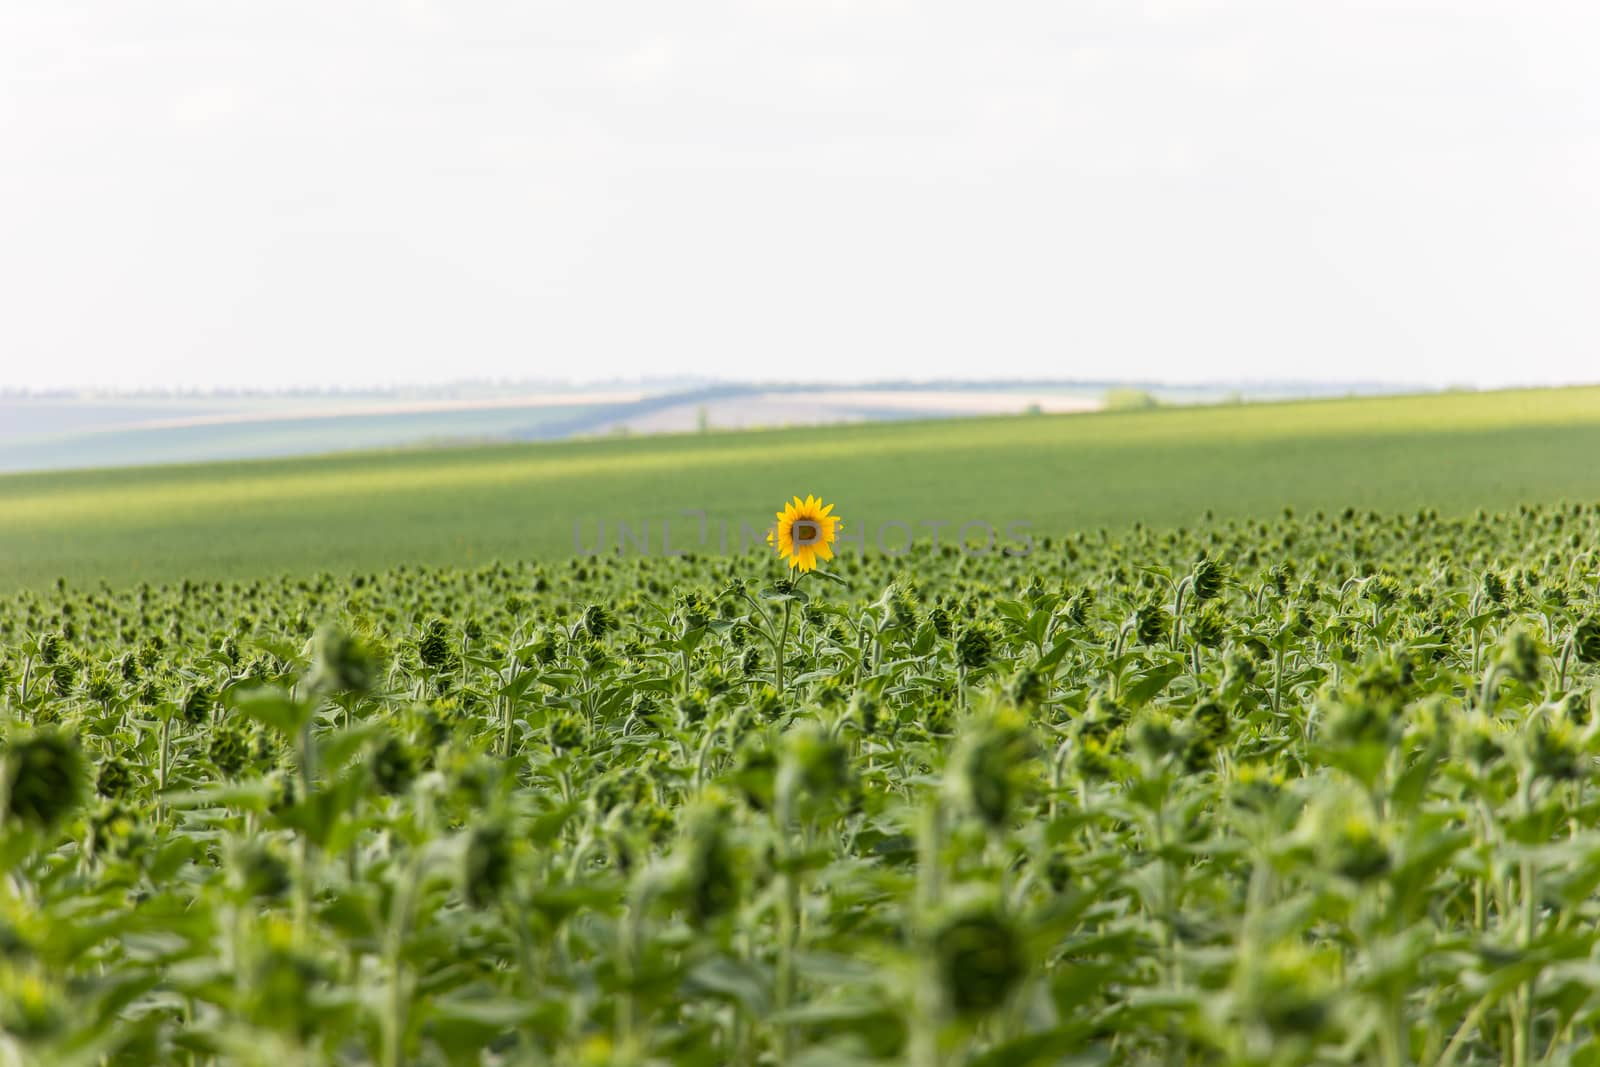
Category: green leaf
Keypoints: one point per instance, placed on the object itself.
(269, 706)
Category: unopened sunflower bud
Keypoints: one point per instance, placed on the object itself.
(1381, 590)
(197, 703)
(1210, 576)
(1102, 716)
(710, 869)
(229, 748)
(1151, 624)
(1586, 639)
(1256, 785)
(543, 647)
(1092, 760)
(865, 711)
(1347, 838)
(32, 1008)
(344, 663)
(394, 766)
(567, 731)
(1287, 989)
(1156, 736)
(980, 960)
(1209, 628)
(1077, 607)
(114, 778)
(1575, 707)
(1481, 741)
(1028, 687)
(257, 872)
(63, 677)
(1553, 750)
(486, 864)
(44, 777)
(1519, 657)
(990, 766)
(100, 687)
(694, 611)
(1280, 577)
(814, 768)
(435, 649)
(974, 647)
(50, 647)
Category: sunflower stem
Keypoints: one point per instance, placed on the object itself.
(782, 645)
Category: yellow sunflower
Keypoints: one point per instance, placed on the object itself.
(805, 533)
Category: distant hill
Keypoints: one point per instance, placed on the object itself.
(64, 430)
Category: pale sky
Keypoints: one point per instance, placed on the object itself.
(220, 192)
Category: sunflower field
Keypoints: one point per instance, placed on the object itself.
(1307, 790)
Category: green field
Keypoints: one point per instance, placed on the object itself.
(1456, 452)
(1265, 794)
(1311, 788)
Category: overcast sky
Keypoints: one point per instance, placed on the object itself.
(248, 193)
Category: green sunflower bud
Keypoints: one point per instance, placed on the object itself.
(814, 769)
(597, 621)
(710, 870)
(1256, 785)
(44, 777)
(1347, 838)
(229, 748)
(567, 731)
(1156, 736)
(1209, 628)
(434, 648)
(991, 766)
(114, 778)
(1519, 656)
(1481, 742)
(1287, 989)
(865, 712)
(1029, 687)
(1210, 577)
(344, 663)
(394, 766)
(1151, 624)
(1586, 639)
(32, 1008)
(1553, 750)
(101, 687)
(256, 871)
(1077, 607)
(197, 703)
(974, 647)
(486, 866)
(980, 960)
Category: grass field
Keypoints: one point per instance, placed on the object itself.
(1455, 452)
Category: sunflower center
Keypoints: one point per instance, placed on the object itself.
(806, 532)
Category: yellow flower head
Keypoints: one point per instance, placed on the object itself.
(805, 533)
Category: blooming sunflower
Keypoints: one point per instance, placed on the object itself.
(804, 533)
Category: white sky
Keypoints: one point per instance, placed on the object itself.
(324, 192)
